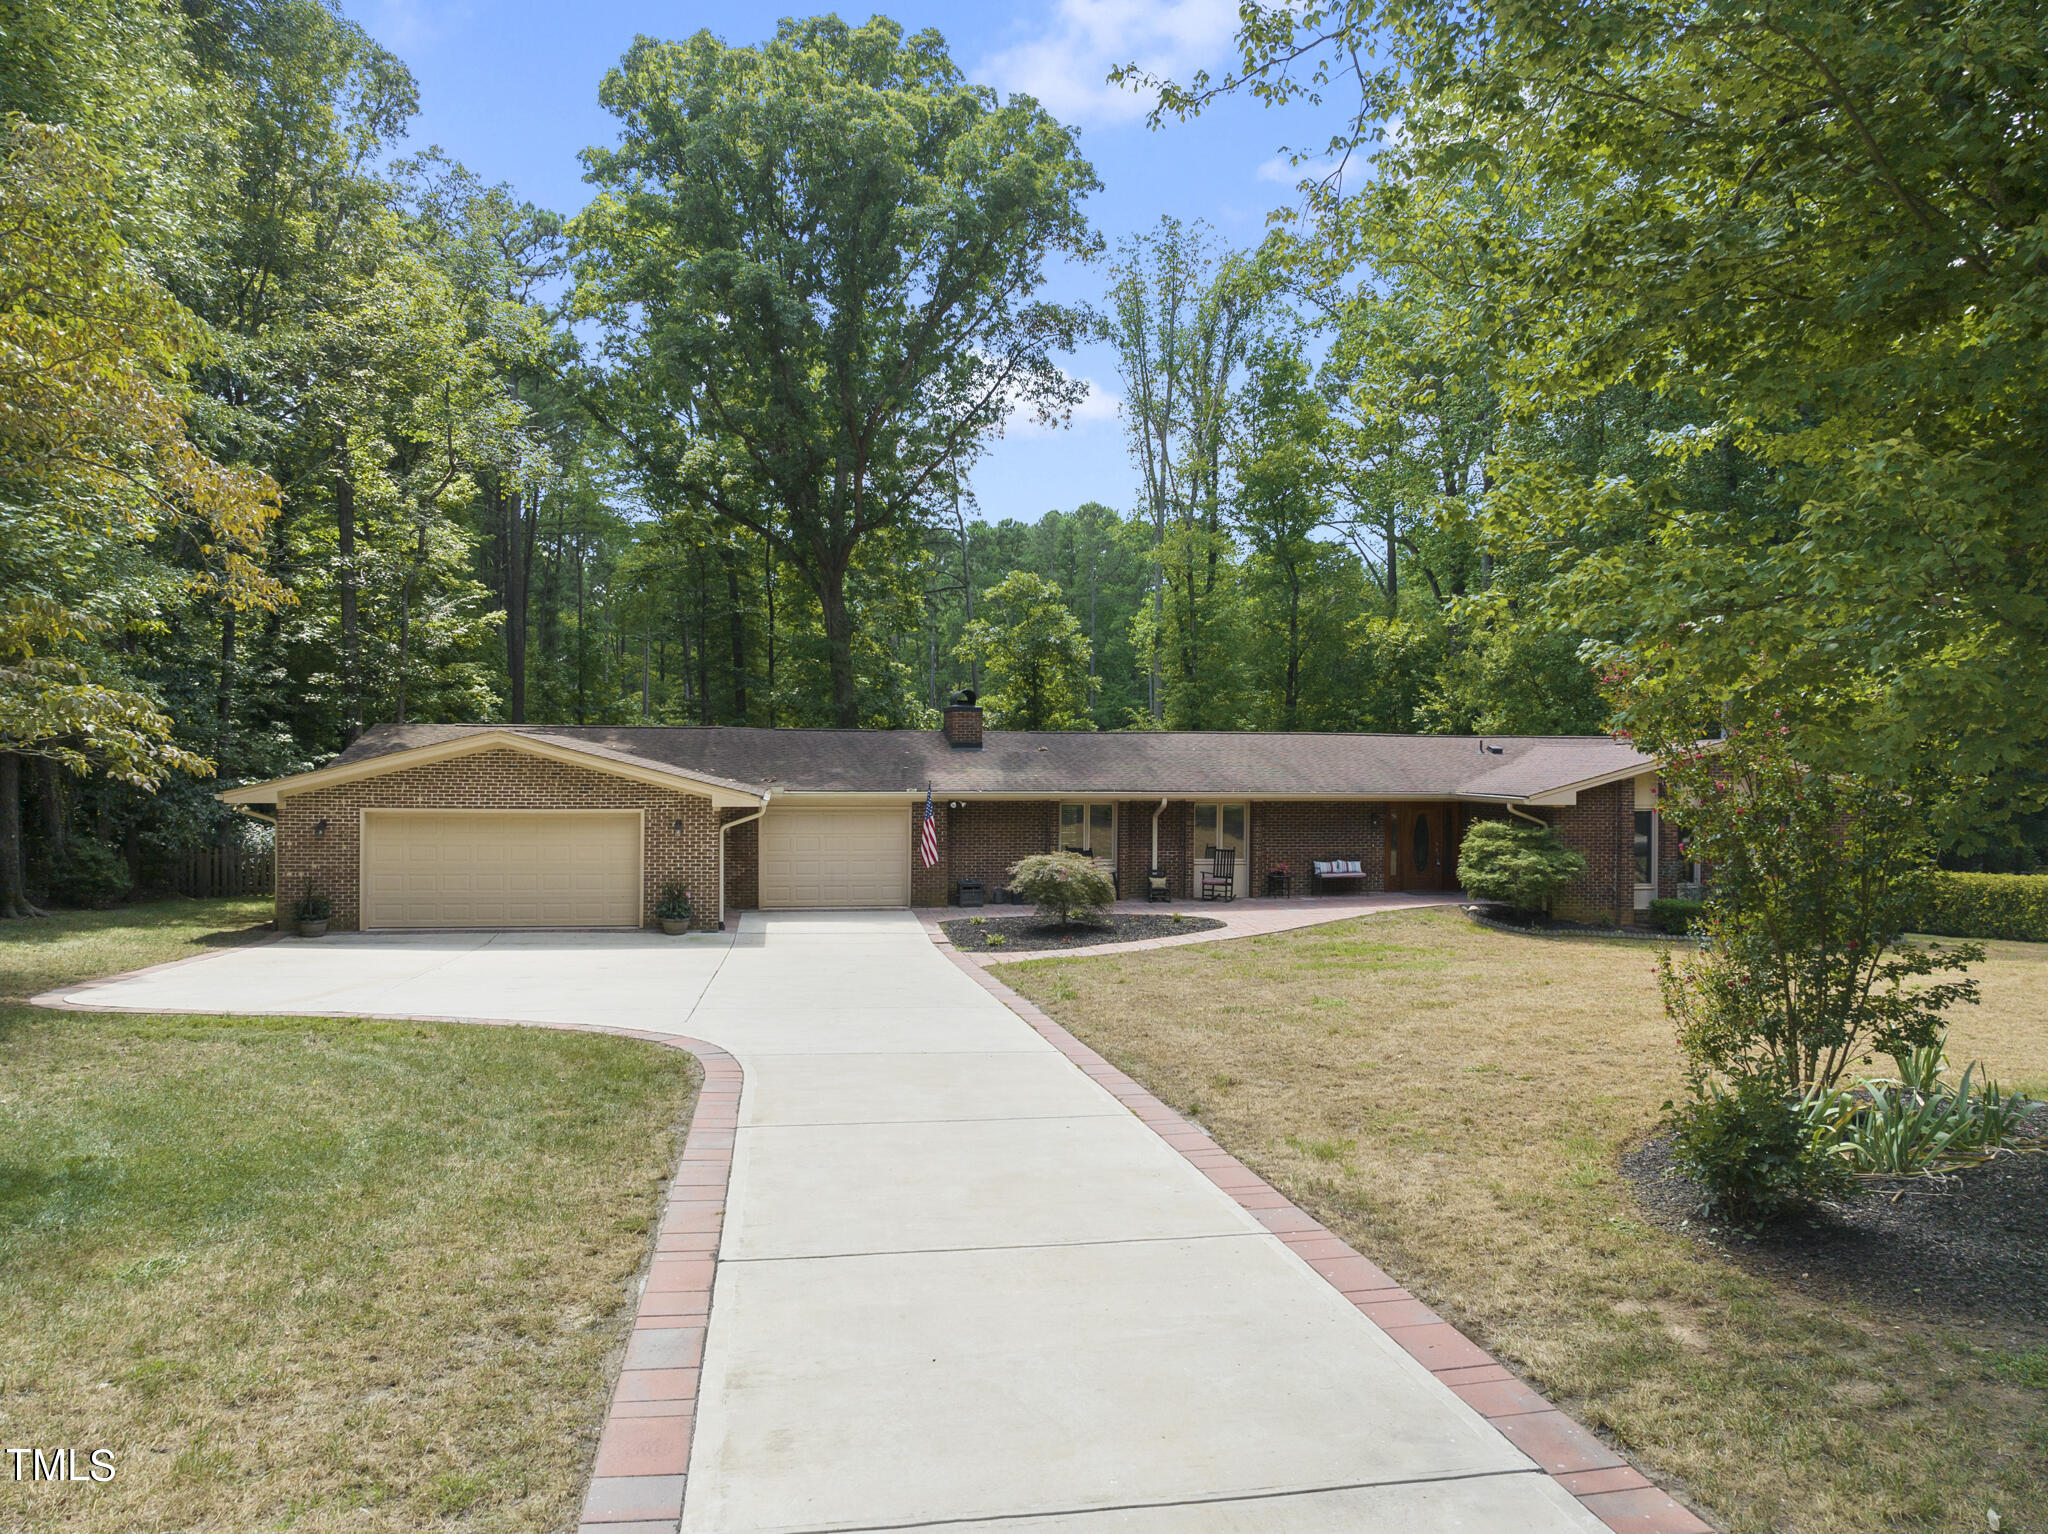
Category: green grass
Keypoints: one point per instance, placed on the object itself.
(1455, 1102)
(310, 1273)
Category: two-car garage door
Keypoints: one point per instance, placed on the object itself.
(501, 868)
(581, 868)
(835, 857)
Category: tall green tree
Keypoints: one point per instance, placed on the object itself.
(814, 264)
(1036, 656)
(1817, 230)
(100, 486)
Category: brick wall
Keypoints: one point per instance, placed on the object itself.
(1297, 834)
(742, 863)
(497, 779)
(934, 885)
(1134, 846)
(982, 838)
(1601, 829)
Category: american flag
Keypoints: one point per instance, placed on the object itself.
(928, 838)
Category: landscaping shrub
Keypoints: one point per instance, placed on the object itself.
(2011, 906)
(673, 904)
(1754, 1151)
(1063, 885)
(88, 875)
(1516, 864)
(1676, 917)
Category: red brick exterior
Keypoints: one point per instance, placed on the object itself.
(742, 863)
(1601, 829)
(1134, 846)
(495, 779)
(962, 726)
(982, 838)
(1299, 833)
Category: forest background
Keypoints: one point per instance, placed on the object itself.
(1617, 370)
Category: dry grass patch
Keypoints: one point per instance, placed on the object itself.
(1454, 1101)
(310, 1273)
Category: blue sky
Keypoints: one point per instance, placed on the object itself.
(511, 90)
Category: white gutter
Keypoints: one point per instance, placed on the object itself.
(1155, 838)
(1534, 820)
(766, 795)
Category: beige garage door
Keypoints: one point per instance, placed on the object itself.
(835, 857)
(501, 868)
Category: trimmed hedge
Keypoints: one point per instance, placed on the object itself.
(1988, 905)
(1676, 916)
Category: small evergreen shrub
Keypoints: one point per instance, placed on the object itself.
(1063, 885)
(311, 905)
(2013, 906)
(1516, 864)
(1753, 1151)
(90, 875)
(1677, 917)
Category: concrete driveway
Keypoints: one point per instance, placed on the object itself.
(959, 1282)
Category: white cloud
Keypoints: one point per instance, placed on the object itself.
(1066, 68)
(1281, 169)
(1096, 405)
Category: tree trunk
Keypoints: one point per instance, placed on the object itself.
(839, 643)
(736, 621)
(224, 695)
(50, 790)
(13, 890)
(768, 600)
(345, 550)
(582, 644)
(1393, 570)
(517, 534)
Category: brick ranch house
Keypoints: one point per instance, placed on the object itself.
(473, 825)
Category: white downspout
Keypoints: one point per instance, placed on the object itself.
(727, 826)
(1534, 820)
(1155, 840)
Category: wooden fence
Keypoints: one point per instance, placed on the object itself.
(218, 871)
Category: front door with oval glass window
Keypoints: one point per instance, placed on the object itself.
(1417, 850)
(1220, 827)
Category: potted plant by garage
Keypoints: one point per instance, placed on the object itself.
(311, 911)
(673, 910)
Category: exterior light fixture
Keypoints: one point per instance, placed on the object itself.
(320, 826)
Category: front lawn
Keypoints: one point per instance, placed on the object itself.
(309, 1273)
(1455, 1102)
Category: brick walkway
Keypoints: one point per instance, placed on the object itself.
(1240, 918)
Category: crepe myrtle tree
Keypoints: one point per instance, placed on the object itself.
(813, 264)
(1803, 969)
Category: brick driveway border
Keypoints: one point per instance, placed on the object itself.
(1605, 1483)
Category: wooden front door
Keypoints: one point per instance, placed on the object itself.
(1418, 848)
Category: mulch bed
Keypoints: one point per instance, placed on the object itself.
(1970, 1246)
(1501, 919)
(1022, 934)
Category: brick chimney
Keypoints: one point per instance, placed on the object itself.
(963, 721)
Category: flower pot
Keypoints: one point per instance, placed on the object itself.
(313, 928)
(674, 926)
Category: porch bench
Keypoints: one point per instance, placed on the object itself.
(1324, 870)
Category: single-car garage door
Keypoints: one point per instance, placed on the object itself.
(501, 868)
(821, 857)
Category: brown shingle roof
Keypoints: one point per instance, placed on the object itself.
(1133, 764)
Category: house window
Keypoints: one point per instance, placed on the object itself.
(1646, 846)
(1089, 829)
(1421, 843)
